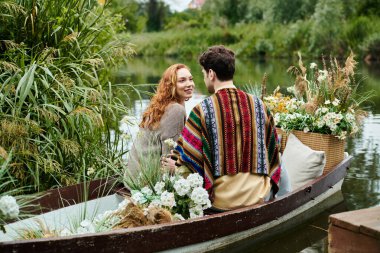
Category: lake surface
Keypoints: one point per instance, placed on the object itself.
(361, 188)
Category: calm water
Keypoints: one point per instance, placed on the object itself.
(361, 188)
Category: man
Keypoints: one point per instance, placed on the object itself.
(230, 138)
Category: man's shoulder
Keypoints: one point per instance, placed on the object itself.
(207, 102)
(255, 98)
(241, 92)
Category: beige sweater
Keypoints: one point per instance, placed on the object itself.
(149, 144)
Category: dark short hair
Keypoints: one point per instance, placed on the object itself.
(221, 60)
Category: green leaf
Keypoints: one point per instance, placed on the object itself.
(24, 85)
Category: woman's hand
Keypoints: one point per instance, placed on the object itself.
(168, 163)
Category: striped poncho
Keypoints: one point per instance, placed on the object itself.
(228, 133)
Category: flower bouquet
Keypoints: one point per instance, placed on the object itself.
(184, 197)
(323, 101)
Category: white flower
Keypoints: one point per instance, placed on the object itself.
(350, 118)
(322, 75)
(178, 217)
(105, 221)
(336, 102)
(320, 123)
(306, 129)
(172, 179)
(342, 135)
(182, 187)
(86, 226)
(339, 116)
(90, 171)
(195, 180)
(333, 127)
(9, 207)
(167, 199)
(65, 232)
(207, 205)
(147, 191)
(85, 223)
(199, 196)
(196, 212)
(159, 187)
(313, 65)
(327, 102)
(165, 177)
(291, 89)
(101, 217)
(138, 197)
(170, 142)
(277, 118)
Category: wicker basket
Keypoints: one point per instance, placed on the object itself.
(283, 138)
(333, 147)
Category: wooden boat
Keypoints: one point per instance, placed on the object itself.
(211, 232)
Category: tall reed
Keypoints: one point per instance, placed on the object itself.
(57, 106)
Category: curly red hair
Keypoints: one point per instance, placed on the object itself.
(165, 95)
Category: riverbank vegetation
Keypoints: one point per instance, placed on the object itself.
(270, 28)
(57, 106)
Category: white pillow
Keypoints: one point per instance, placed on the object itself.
(302, 163)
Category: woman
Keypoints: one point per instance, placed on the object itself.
(163, 119)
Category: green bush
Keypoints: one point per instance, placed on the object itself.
(325, 37)
(357, 30)
(371, 46)
(296, 38)
(57, 106)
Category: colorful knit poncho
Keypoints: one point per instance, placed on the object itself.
(227, 133)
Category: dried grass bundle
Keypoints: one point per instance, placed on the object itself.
(157, 215)
(333, 82)
(42, 232)
(135, 216)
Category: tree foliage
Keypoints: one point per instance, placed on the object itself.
(156, 13)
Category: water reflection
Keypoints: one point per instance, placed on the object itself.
(361, 188)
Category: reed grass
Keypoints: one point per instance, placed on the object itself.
(57, 106)
(149, 172)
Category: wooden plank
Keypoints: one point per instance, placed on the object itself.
(365, 221)
(342, 241)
